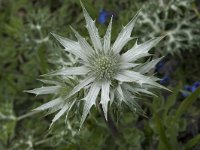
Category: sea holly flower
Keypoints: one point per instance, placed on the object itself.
(106, 73)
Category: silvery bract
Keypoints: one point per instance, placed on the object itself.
(105, 74)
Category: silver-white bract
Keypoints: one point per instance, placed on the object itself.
(106, 74)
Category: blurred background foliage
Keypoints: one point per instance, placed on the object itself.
(28, 50)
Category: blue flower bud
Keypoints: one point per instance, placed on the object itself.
(102, 16)
(187, 88)
(165, 79)
(159, 66)
(197, 84)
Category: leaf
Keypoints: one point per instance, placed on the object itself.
(125, 95)
(42, 58)
(105, 90)
(131, 76)
(144, 91)
(141, 50)
(82, 70)
(187, 103)
(107, 38)
(81, 85)
(7, 130)
(120, 93)
(172, 98)
(60, 113)
(71, 46)
(8, 121)
(161, 132)
(54, 109)
(124, 36)
(149, 65)
(90, 101)
(45, 90)
(70, 107)
(92, 29)
(83, 43)
(192, 142)
(126, 65)
(50, 82)
(50, 104)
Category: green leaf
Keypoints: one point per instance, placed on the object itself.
(41, 56)
(192, 142)
(161, 132)
(172, 98)
(187, 103)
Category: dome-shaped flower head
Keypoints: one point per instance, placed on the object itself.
(105, 73)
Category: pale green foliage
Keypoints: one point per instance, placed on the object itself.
(177, 18)
(104, 73)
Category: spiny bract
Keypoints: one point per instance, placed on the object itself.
(105, 74)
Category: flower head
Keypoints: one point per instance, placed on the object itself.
(105, 72)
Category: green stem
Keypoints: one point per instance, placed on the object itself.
(110, 123)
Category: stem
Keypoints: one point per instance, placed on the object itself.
(27, 115)
(110, 123)
(42, 141)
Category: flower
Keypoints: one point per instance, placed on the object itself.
(190, 89)
(159, 66)
(106, 74)
(196, 84)
(102, 16)
(165, 79)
